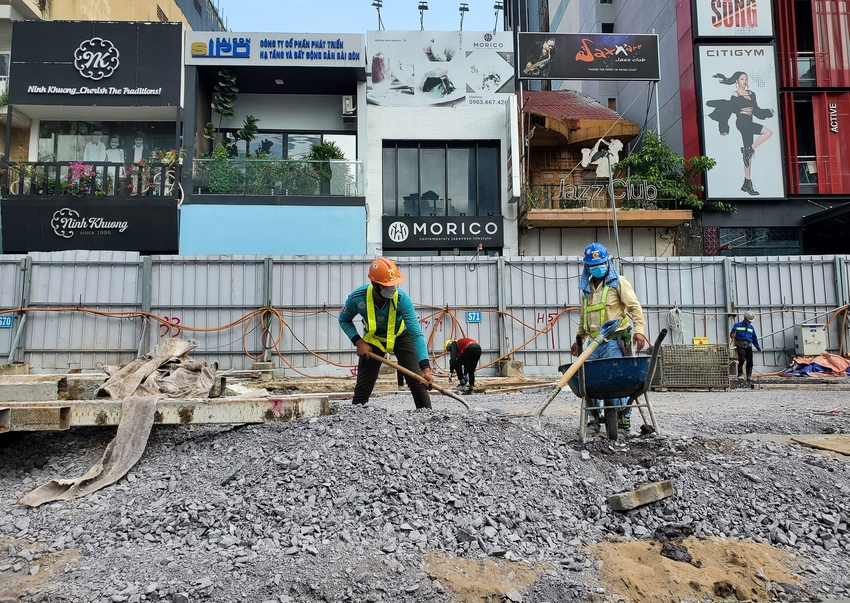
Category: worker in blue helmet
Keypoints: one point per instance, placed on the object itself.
(606, 295)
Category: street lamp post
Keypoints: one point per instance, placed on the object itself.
(607, 154)
(423, 6)
(464, 8)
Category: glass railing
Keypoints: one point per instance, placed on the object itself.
(594, 194)
(806, 66)
(98, 178)
(807, 170)
(253, 177)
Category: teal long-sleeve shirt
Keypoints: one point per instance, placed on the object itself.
(356, 305)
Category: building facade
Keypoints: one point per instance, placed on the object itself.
(790, 188)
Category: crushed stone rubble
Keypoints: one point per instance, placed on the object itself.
(346, 507)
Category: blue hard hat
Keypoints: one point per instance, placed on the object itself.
(595, 254)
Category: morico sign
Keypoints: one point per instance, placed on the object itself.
(441, 232)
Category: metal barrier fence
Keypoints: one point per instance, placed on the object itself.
(84, 308)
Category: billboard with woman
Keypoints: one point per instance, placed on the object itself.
(740, 121)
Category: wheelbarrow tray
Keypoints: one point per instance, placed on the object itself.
(606, 378)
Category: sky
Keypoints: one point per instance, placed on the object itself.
(353, 16)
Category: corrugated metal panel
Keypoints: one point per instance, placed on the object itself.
(784, 291)
(686, 296)
(207, 293)
(10, 269)
(65, 338)
(689, 296)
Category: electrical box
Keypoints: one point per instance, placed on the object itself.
(809, 340)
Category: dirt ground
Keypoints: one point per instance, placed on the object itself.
(720, 569)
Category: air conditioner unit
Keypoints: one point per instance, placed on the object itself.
(348, 107)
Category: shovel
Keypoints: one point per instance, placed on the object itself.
(420, 378)
(608, 329)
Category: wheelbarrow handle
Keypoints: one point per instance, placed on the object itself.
(419, 378)
(607, 329)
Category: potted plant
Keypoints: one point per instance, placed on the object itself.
(319, 157)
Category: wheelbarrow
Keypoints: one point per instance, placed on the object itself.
(607, 379)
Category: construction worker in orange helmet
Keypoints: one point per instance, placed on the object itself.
(390, 326)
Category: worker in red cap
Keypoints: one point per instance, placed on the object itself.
(464, 355)
(390, 327)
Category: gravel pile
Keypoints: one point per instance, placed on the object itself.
(346, 507)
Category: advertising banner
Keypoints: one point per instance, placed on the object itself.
(144, 224)
(589, 56)
(831, 170)
(740, 122)
(92, 63)
(733, 18)
(442, 232)
(439, 68)
(275, 49)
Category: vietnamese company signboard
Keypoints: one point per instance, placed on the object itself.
(439, 68)
(442, 232)
(95, 63)
(733, 18)
(589, 56)
(276, 49)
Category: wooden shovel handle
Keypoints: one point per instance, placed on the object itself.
(419, 378)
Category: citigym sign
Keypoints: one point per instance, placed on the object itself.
(442, 232)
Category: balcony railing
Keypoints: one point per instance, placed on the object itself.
(592, 194)
(807, 169)
(93, 178)
(253, 177)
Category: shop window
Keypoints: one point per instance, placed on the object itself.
(282, 145)
(441, 179)
(113, 141)
(612, 104)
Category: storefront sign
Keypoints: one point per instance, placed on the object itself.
(314, 50)
(623, 190)
(588, 56)
(831, 111)
(733, 18)
(440, 68)
(442, 232)
(95, 63)
(144, 224)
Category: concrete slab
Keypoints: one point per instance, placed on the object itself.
(50, 415)
(32, 388)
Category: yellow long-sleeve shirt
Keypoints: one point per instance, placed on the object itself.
(619, 303)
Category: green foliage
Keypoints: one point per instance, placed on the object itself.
(224, 102)
(675, 177)
(248, 132)
(222, 176)
(225, 94)
(4, 99)
(319, 156)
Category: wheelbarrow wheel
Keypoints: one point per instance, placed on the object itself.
(611, 420)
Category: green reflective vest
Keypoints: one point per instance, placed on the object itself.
(386, 344)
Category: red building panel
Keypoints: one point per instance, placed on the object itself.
(832, 42)
(832, 139)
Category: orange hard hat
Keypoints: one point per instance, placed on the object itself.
(384, 272)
